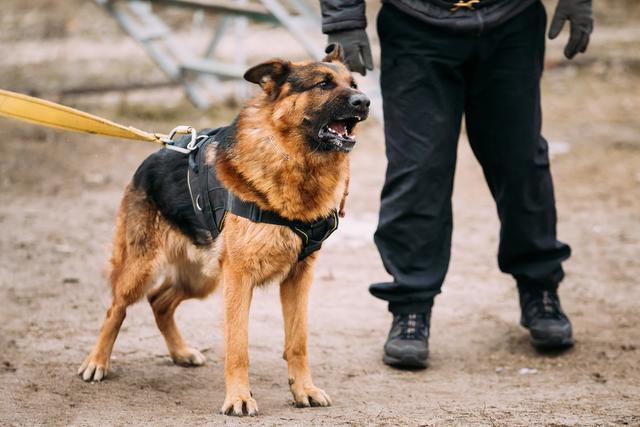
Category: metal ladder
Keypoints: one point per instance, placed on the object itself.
(200, 74)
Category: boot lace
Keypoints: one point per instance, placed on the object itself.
(546, 305)
(413, 326)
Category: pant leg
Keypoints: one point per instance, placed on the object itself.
(423, 98)
(503, 118)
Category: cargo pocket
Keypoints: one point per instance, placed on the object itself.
(541, 157)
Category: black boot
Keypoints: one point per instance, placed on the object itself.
(542, 315)
(407, 345)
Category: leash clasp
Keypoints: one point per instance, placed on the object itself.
(182, 130)
(466, 4)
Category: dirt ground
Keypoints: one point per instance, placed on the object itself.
(58, 197)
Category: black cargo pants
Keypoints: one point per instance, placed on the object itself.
(430, 77)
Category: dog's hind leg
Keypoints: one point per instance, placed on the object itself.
(133, 269)
(191, 273)
(294, 293)
(164, 300)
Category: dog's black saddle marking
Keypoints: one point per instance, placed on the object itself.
(211, 200)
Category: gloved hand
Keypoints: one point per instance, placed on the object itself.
(578, 12)
(357, 52)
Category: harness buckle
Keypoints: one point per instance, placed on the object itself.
(464, 4)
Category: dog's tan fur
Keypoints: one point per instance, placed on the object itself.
(268, 154)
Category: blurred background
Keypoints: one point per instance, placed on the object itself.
(59, 192)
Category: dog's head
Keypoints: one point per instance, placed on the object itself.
(318, 101)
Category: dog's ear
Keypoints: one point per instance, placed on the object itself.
(334, 53)
(269, 75)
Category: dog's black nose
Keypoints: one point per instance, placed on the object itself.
(360, 101)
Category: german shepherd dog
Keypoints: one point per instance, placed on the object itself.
(289, 155)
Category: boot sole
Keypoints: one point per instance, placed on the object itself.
(408, 361)
(550, 344)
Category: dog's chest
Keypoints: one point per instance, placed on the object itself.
(265, 251)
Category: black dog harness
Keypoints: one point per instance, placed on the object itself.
(211, 200)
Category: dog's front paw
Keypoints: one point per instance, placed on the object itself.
(93, 369)
(309, 395)
(188, 357)
(239, 404)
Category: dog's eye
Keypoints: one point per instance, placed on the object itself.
(354, 85)
(325, 84)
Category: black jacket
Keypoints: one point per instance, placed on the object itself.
(341, 15)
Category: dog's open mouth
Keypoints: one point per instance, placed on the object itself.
(339, 133)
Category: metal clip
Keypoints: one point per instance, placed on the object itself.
(466, 4)
(183, 130)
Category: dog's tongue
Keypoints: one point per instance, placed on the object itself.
(338, 127)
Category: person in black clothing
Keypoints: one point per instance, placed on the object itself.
(442, 59)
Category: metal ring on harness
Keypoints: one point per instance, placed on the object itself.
(201, 138)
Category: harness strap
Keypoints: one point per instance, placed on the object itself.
(311, 233)
(252, 212)
(314, 234)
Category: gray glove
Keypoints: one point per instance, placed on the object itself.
(578, 12)
(357, 52)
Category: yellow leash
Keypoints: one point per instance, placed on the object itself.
(35, 110)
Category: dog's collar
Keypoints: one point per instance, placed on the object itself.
(211, 200)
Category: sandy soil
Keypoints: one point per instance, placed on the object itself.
(58, 196)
